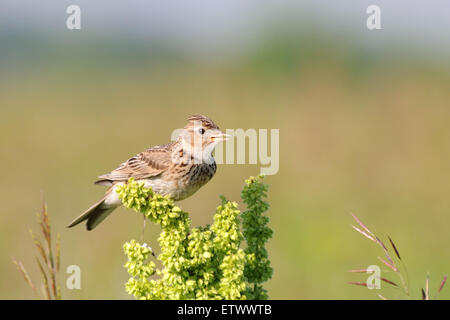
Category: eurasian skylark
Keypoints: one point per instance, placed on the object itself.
(177, 169)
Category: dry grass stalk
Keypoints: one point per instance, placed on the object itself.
(389, 281)
(395, 248)
(442, 284)
(365, 231)
(48, 263)
(424, 295)
(444, 280)
(25, 275)
(389, 262)
(363, 284)
(359, 270)
(364, 234)
(426, 292)
(389, 265)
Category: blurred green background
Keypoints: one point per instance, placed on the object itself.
(363, 122)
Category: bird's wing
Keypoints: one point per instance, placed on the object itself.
(149, 163)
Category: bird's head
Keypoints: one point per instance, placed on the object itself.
(200, 136)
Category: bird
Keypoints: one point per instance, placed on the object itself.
(177, 169)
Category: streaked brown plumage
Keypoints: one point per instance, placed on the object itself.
(177, 169)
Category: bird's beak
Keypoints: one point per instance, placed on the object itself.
(221, 137)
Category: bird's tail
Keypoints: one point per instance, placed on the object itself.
(94, 215)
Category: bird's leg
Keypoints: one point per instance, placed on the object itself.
(143, 229)
(142, 237)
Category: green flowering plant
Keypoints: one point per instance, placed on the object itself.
(205, 262)
(256, 232)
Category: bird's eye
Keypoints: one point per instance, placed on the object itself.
(201, 131)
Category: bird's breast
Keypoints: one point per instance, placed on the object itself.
(181, 181)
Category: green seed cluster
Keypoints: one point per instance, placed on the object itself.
(198, 263)
(256, 233)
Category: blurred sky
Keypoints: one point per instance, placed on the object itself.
(224, 27)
